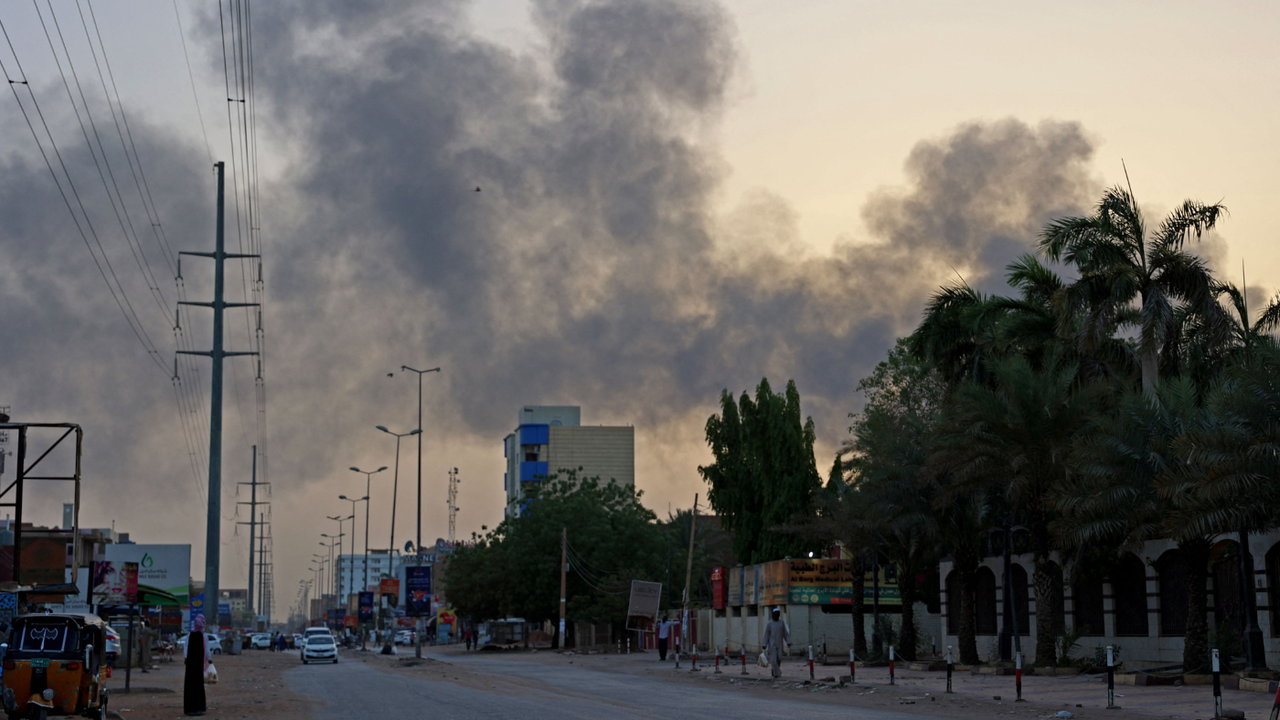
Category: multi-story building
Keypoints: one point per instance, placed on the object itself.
(552, 440)
(351, 575)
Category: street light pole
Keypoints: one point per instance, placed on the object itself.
(418, 544)
(367, 485)
(395, 484)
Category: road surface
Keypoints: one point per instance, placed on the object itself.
(353, 689)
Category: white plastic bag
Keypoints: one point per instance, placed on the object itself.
(763, 660)
(211, 675)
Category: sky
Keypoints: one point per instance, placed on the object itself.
(676, 197)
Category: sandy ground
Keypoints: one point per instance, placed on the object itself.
(249, 686)
(975, 696)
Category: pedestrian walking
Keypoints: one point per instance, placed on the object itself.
(197, 655)
(466, 634)
(144, 644)
(776, 635)
(280, 642)
(664, 637)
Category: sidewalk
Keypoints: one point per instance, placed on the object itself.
(924, 692)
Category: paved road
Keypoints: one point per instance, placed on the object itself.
(356, 690)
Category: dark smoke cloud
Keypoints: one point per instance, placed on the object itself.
(590, 267)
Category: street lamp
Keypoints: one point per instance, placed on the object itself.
(368, 476)
(418, 544)
(395, 484)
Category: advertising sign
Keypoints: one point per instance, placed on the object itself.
(718, 589)
(44, 562)
(645, 597)
(163, 567)
(829, 582)
(735, 586)
(197, 605)
(775, 579)
(115, 583)
(751, 585)
(417, 587)
(389, 588)
(366, 607)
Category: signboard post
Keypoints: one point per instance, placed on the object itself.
(645, 599)
(417, 587)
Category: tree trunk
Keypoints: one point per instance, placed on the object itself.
(1195, 647)
(1047, 611)
(1150, 372)
(907, 633)
(857, 614)
(966, 566)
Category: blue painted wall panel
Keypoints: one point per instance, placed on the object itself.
(535, 434)
(530, 470)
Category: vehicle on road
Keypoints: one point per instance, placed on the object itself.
(53, 666)
(113, 644)
(210, 639)
(404, 637)
(319, 648)
(316, 631)
(260, 641)
(295, 641)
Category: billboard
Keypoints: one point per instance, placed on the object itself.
(417, 590)
(366, 607)
(735, 586)
(750, 585)
(389, 588)
(775, 579)
(719, 592)
(163, 567)
(44, 562)
(829, 582)
(645, 597)
(115, 583)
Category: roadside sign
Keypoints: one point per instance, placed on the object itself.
(417, 585)
(645, 598)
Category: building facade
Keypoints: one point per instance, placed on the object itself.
(1139, 602)
(351, 570)
(552, 440)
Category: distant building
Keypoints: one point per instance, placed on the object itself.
(351, 570)
(551, 439)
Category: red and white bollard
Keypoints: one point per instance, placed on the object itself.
(890, 664)
(717, 672)
(744, 659)
(811, 662)
(853, 667)
(1017, 679)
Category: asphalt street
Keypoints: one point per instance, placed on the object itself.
(356, 690)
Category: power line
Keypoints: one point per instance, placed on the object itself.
(191, 76)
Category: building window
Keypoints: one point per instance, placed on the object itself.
(1172, 572)
(1129, 593)
(1086, 605)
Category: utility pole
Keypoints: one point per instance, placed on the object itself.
(564, 567)
(688, 572)
(253, 527)
(418, 542)
(453, 504)
(213, 528)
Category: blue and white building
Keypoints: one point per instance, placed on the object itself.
(552, 439)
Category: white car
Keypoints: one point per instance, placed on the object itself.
(404, 637)
(209, 638)
(319, 648)
(260, 641)
(316, 631)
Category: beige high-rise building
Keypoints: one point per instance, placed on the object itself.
(551, 439)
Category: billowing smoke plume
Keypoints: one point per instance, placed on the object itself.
(538, 224)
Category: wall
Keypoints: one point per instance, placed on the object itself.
(1154, 648)
(608, 452)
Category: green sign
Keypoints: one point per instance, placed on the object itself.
(40, 662)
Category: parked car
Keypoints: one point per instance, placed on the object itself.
(295, 641)
(210, 639)
(113, 645)
(260, 641)
(404, 637)
(316, 631)
(319, 648)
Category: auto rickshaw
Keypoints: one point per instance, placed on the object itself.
(53, 666)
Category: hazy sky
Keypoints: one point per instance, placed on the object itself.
(678, 197)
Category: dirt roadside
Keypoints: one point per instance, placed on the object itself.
(920, 693)
(249, 686)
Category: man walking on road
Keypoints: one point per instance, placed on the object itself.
(144, 645)
(775, 635)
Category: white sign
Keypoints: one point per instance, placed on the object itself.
(645, 598)
(163, 567)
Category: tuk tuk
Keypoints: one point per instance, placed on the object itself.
(53, 667)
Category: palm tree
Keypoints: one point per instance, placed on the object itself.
(1133, 487)
(1017, 435)
(1119, 263)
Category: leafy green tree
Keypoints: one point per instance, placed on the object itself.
(514, 570)
(1120, 263)
(763, 474)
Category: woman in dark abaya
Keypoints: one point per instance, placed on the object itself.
(197, 661)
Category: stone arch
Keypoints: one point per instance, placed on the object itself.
(1087, 611)
(1129, 595)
